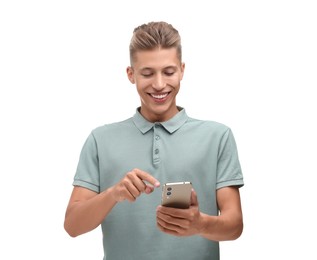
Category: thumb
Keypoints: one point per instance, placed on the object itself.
(194, 200)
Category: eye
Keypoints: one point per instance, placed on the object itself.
(169, 73)
(147, 75)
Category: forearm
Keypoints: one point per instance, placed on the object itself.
(84, 216)
(221, 228)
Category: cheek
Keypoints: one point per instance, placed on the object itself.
(175, 82)
(140, 88)
(142, 84)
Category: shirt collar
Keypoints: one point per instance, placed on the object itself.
(171, 125)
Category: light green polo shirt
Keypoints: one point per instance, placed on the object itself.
(180, 149)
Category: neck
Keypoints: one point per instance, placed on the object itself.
(157, 117)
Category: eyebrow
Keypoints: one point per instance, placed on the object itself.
(146, 68)
(166, 68)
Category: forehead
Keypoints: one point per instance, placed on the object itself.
(157, 58)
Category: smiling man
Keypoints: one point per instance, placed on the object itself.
(157, 73)
(122, 165)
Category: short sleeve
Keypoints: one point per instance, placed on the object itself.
(228, 169)
(87, 174)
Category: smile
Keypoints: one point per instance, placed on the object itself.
(159, 96)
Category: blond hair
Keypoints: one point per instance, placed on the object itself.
(155, 35)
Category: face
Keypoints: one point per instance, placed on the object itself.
(157, 75)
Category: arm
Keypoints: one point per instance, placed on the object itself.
(227, 226)
(87, 209)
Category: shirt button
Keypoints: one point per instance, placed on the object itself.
(157, 151)
(157, 137)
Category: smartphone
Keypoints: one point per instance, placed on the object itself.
(176, 194)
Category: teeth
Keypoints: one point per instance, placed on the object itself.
(159, 96)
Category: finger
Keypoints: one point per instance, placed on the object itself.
(167, 231)
(172, 212)
(194, 200)
(144, 176)
(123, 193)
(171, 224)
(133, 190)
(134, 181)
(149, 189)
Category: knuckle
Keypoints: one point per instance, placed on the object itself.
(125, 182)
(134, 171)
(130, 174)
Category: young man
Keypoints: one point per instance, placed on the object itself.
(122, 165)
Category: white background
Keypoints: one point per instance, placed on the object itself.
(249, 64)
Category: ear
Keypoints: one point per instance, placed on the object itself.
(130, 74)
(182, 70)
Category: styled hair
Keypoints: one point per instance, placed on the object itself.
(155, 35)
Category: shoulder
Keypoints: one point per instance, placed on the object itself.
(112, 128)
(207, 125)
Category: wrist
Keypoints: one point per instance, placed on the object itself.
(109, 196)
(207, 224)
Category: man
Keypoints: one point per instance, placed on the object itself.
(122, 166)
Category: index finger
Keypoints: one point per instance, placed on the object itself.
(144, 176)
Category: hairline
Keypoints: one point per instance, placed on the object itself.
(159, 47)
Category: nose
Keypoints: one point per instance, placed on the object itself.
(159, 82)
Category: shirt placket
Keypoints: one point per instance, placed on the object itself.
(156, 144)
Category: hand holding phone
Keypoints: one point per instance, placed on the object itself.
(176, 194)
